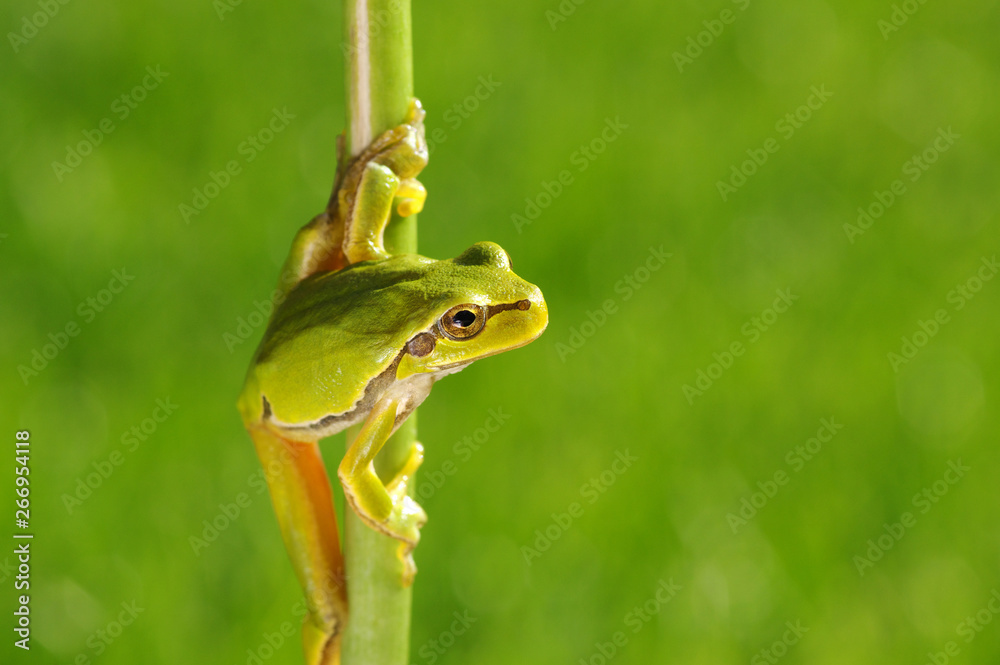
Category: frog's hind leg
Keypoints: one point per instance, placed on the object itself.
(317, 247)
(300, 492)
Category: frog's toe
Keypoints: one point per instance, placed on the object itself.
(415, 113)
(411, 518)
(409, 207)
(413, 515)
(409, 565)
(406, 520)
(411, 194)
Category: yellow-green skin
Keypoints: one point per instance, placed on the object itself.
(337, 333)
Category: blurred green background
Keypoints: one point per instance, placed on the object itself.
(581, 395)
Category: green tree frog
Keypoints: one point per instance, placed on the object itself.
(360, 336)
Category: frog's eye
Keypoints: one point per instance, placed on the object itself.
(463, 321)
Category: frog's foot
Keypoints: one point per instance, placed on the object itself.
(407, 512)
(410, 156)
(402, 148)
(385, 508)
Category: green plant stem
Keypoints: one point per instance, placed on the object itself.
(379, 68)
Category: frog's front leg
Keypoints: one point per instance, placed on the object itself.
(300, 493)
(384, 507)
(351, 228)
(384, 172)
(369, 214)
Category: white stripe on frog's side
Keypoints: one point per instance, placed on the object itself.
(409, 393)
(333, 423)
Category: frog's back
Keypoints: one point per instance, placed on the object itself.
(336, 334)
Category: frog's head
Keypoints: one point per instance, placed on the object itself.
(479, 308)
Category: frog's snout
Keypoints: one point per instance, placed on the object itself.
(536, 313)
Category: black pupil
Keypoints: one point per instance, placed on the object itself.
(464, 319)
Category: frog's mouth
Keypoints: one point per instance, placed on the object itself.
(462, 364)
(451, 368)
